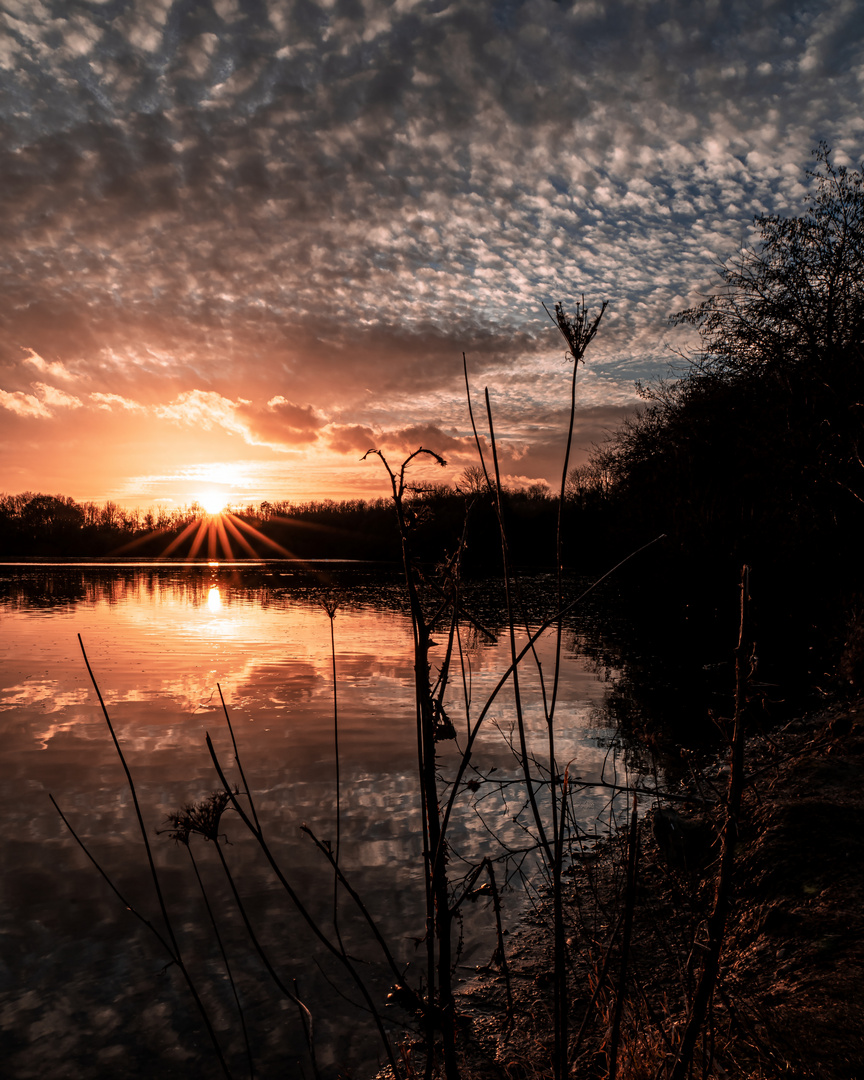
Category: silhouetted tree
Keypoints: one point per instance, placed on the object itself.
(755, 455)
(790, 316)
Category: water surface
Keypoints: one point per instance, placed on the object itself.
(83, 985)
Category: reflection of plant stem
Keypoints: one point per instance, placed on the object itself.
(336, 741)
(330, 606)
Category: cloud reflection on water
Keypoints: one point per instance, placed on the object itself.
(159, 643)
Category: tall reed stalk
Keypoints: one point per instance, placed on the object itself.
(578, 331)
(440, 1006)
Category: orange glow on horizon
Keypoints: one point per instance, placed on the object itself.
(221, 536)
(217, 531)
(213, 502)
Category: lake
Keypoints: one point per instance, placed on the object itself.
(85, 990)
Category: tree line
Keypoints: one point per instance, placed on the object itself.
(36, 525)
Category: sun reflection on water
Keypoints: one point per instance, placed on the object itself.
(214, 600)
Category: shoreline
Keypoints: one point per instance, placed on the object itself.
(789, 1000)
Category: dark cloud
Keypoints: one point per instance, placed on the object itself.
(281, 422)
(352, 438)
(429, 437)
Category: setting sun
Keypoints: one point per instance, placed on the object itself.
(212, 502)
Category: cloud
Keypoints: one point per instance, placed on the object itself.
(54, 370)
(430, 437)
(279, 424)
(208, 208)
(42, 404)
(281, 421)
(24, 404)
(109, 402)
(352, 438)
(206, 410)
(56, 398)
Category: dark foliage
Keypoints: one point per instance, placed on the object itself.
(754, 456)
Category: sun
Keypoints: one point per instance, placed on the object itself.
(212, 502)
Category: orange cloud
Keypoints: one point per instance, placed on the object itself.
(54, 369)
(41, 404)
(281, 422)
(108, 402)
(348, 438)
(432, 438)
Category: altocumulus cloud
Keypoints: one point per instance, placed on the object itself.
(289, 219)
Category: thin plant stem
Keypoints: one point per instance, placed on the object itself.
(473, 424)
(723, 890)
(335, 951)
(228, 971)
(174, 949)
(126, 903)
(133, 792)
(502, 681)
(514, 667)
(629, 908)
(306, 1015)
(355, 896)
(578, 334)
(174, 956)
(246, 787)
(438, 916)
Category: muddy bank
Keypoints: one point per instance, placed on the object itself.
(790, 997)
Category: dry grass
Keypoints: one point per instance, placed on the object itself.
(790, 997)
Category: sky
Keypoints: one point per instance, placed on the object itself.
(242, 242)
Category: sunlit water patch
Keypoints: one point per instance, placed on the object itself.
(82, 980)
